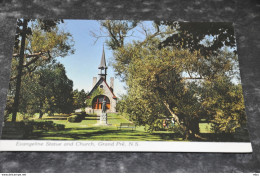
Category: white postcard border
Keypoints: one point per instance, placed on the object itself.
(125, 146)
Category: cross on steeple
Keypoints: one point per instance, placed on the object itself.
(103, 65)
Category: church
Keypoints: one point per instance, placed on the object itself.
(107, 90)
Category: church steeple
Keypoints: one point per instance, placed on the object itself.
(103, 65)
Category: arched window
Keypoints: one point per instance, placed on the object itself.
(98, 101)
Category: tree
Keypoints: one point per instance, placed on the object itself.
(156, 88)
(171, 79)
(223, 104)
(79, 98)
(37, 42)
(47, 90)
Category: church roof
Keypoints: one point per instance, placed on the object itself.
(103, 61)
(98, 83)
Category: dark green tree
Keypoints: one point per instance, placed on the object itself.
(47, 90)
(79, 98)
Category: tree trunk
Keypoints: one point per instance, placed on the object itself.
(40, 114)
(20, 69)
(192, 128)
(176, 118)
(40, 110)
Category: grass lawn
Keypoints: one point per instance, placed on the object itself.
(89, 129)
(205, 128)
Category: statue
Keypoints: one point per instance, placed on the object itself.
(103, 115)
(104, 105)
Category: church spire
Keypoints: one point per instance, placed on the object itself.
(103, 61)
(103, 65)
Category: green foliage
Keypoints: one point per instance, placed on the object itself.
(57, 42)
(178, 70)
(8, 108)
(178, 129)
(74, 118)
(151, 75)
(158, 125)
(95, 93)
(79, 98)
(78, 117)
(47, 90)
(44, 42)
(37, 43)
(83, 114)
(122, 104)
(223, 103)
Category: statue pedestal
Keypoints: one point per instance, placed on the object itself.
(103, 119)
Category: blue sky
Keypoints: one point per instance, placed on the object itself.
(82, 66)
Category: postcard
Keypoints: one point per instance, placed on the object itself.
(125, 85)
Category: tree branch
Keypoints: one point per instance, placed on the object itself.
(193, 78)
(176, 118)
(151, 36)
(37, 56)
(29, 55)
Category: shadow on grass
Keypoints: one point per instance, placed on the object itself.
(111, 133)
(93, 118)
(56, 117)
(59, 115)
(169, 136)
(98, 134)
(222, 137)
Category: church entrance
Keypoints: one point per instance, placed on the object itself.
(98, 101)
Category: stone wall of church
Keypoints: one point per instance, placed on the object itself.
(107, 93)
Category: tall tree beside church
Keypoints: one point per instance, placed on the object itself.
(179, 58)
(37, 42)
(156, 87)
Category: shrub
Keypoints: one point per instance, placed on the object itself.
(83, 114)
(73, 118)
(76, 118)
(15, 130)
